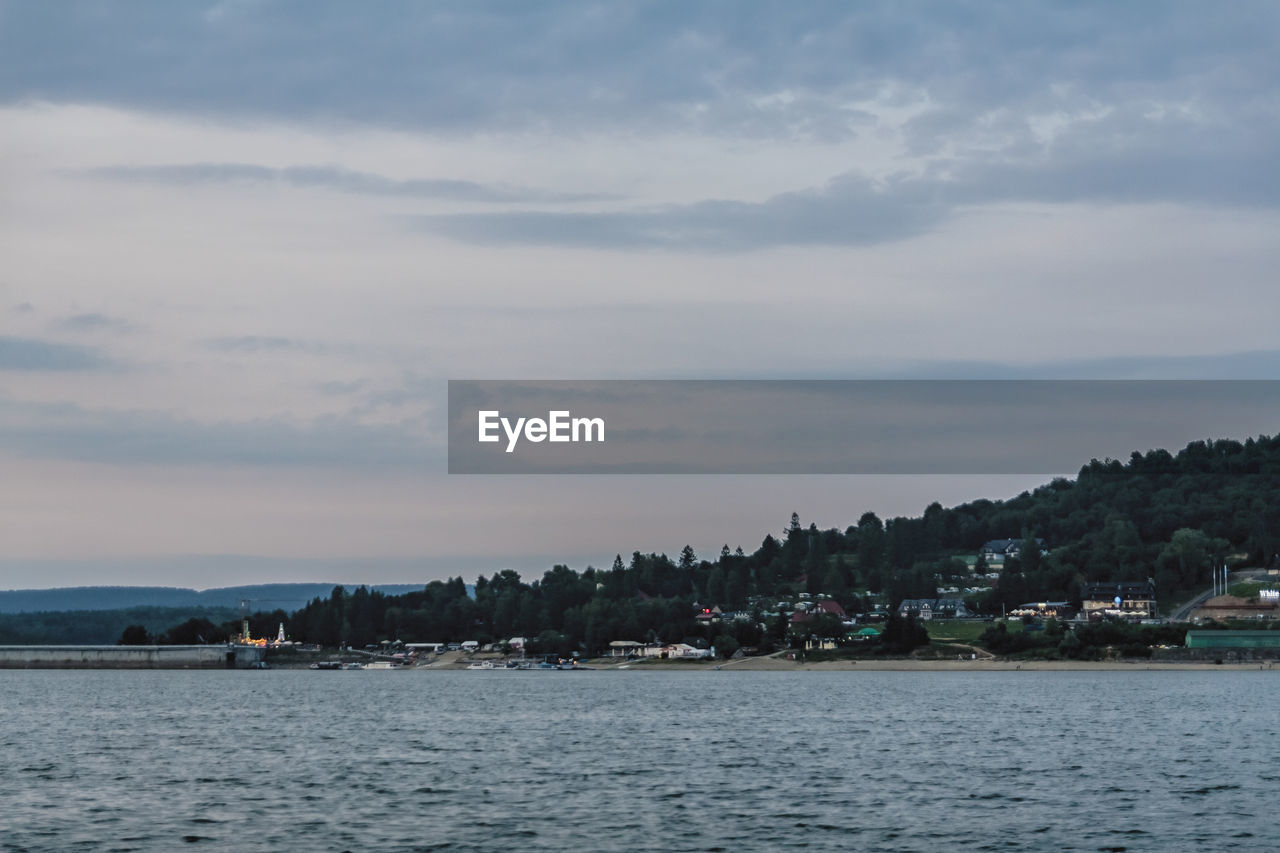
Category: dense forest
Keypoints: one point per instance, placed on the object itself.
(1159, 515)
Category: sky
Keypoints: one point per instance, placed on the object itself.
(245, 245)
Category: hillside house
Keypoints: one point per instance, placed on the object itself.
(934, 608)
(997, 550)
(1120, 600)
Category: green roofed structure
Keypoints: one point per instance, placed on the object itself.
(867, 632)
(1233, 640)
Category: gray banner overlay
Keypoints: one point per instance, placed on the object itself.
(839, 427)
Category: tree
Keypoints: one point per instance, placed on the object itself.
(816, 564)
(1029, 554)
(934, 528)
(716, 586)
(195, 631)
(551, 642)
(769, 548)
(870, 547)
(725, 645)
(736, 586)
(836, 583)
(1185, 562)
(902, 634)
(1119, 549)
(134, 635)
(825, 625)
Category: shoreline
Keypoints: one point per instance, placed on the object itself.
(779, 665)
(757, 665)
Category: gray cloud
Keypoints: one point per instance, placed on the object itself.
(710, 67)
(1252, 365)
(1255, 365)
(335, 388)
(259, 343)
(1108, 162)
(332, 178)
(1123, 159)
(94, 322)
(31, 354)
(849, 211)
(1144, 103)
(67, 431)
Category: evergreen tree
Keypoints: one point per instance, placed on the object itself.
(870, 547)
(716, 586)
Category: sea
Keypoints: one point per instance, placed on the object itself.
(706, 760)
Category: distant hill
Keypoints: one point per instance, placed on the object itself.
(104, 627)
(261, 597)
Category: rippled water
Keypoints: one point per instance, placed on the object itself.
(302, 760)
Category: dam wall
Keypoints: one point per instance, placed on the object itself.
(128, 657)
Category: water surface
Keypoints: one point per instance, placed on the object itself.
(645, 761)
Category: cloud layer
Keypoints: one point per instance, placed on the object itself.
(245, 244)
(719, 67)
(29, 354)
(333, 178)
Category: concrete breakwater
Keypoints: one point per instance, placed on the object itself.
(128, 657)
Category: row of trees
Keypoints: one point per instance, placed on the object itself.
(198, 630)
(1094, 641)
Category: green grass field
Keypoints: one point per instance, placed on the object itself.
(1248, 590)
(962, 631)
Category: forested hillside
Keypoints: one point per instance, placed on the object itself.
(1168, 517)
(105, 627)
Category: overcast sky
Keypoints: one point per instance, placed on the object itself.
(246, 243)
